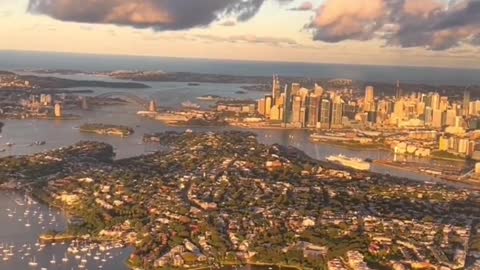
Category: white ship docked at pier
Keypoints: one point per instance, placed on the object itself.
(355, 163)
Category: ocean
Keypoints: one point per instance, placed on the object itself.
(13, 60)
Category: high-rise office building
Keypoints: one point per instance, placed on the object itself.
(303, 116)
(276, 88)
(337, 114)
(325, 113)
(313, 110)
(369, 102)
(303, 93)
(261, 106)
(275, 113)
(296, 107)
(287, 106)
(428, 116)
(318, 91)
(295, 88)
(435, 101)
(437, 118)
(450, 117)
(466, 102)
(398, 91)
(369, 94)
(399, 109)
(443, 106)
(268, 105)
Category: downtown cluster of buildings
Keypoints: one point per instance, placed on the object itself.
(447, 118)
(296, 106)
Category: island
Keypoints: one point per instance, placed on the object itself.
(106, 129)
(219, 198)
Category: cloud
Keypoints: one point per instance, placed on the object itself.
(431, 24)
(305, 6)
(252, 39)
(228, 23)
(158, 14)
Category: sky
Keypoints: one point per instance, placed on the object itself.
(441, 33)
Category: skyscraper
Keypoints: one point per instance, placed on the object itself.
(398, 91)
(295, 88)
(261, 106)
(435, 103)
(296, 108)
(276, 88)
(369, 94)
(466, 102)
(268, 105)
(313, 110)
(437, 118)
(318, 90)
(287, 106)
(368, 102)
(428, 116)
(325, 113)
(337, 114)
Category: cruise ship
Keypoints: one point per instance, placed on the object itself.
(355, 163)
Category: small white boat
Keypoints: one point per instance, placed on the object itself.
(65, 258)
(33, 262)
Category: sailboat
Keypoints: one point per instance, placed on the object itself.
(65, 258)
(53, 261)
(33, 262)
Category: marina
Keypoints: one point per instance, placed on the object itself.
(23, 219)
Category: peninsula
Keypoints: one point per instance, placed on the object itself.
(215, 198)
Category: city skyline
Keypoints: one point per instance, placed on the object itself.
(311, 31)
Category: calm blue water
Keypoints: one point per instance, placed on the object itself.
(22, 60)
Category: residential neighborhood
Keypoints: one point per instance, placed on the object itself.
(211, 199)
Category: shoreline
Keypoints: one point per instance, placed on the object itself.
(439, 180)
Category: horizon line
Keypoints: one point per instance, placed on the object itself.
(234, 60)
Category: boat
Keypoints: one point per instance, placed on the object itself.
(209, 97)
(53, 261)
(193, 84)
(33, 262)
(355, 163)
(65, 259)
(9, 144)
(190, 105)
(19, 202)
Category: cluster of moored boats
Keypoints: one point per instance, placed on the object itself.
(77, 253)
(29, 211)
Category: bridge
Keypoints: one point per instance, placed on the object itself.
(130, 97)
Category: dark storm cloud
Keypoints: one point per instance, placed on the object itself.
(158, 14)
(431, 24)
